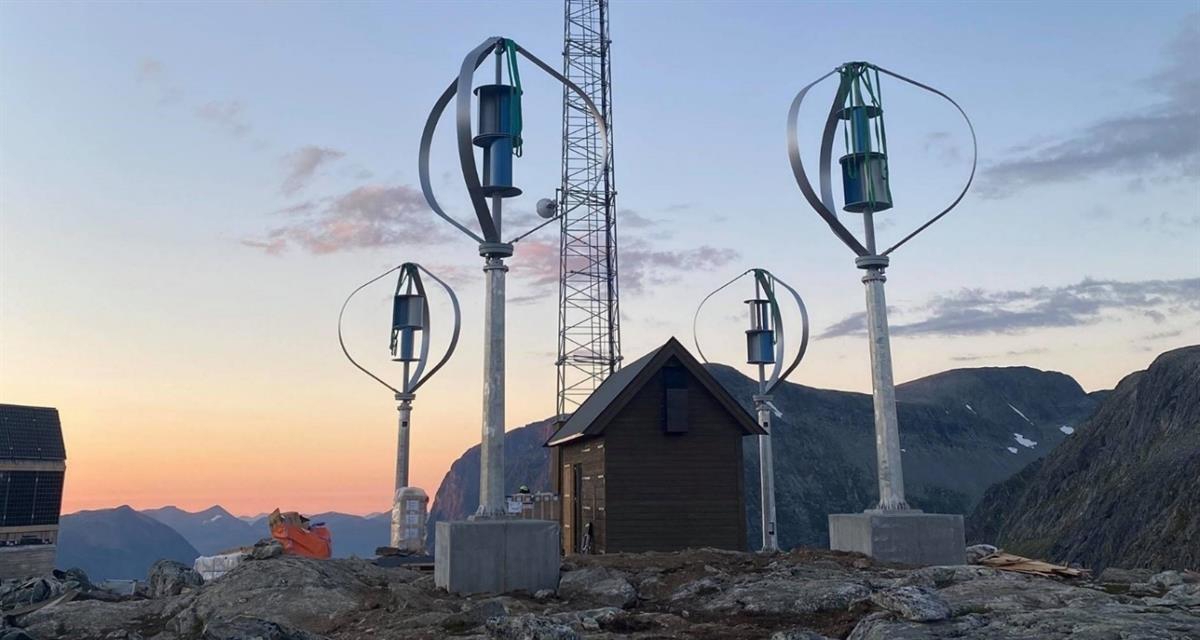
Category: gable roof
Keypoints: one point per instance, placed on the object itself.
(30, 433)
(618, 389)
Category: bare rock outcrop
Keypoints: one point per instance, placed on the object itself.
(799, 595)
(1122, 490)
(171, 578)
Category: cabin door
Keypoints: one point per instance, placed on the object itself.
(568, 509)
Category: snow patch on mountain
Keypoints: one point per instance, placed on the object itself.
(1018, 412)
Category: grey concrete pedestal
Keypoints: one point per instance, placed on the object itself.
(908, 536)
(497, 556)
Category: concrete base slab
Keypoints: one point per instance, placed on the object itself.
(496, 556)
(910, 537)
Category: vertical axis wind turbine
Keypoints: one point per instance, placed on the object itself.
(589, 323)
(866, 189)
(410, 317)
(499, 138)
(765, 346)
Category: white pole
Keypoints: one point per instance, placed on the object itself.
(402, 449)
(770, 540)
(887, 428)
(405, 409)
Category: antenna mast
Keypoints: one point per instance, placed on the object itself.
(589, 324)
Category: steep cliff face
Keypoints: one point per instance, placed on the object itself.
(961, 431)
(526, 462)
(1123, 491)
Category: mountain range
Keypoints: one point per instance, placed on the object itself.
(1042, 467)
(122, 543)
(1124, 491)
(118, 543)
(961, 431)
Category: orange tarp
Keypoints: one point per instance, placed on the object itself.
(298, 537)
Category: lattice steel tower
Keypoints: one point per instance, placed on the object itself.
(589, 326)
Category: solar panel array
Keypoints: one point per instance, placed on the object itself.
(30, 497)
(30, 433)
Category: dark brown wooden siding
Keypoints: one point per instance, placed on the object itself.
(669, 491)
(589, 454)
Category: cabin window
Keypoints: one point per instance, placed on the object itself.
(675, 414)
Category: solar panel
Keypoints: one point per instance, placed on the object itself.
(30, 433)
(30, 497)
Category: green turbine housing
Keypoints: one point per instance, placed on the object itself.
(865, 184)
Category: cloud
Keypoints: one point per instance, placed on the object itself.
(977, 311)
(153, 73)
(1013, 353)
(226, 115)
(1160, 140)
(640, 265)
(633, 220)
(368, 216)
(1163, 335)
(941, 144)
(1170, 223)
(302, 165)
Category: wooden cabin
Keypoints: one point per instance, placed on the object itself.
(652, 460)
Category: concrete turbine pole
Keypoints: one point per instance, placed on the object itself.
(491, 453)
(883, 387)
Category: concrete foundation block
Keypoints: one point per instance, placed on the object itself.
(496, 556)
(909, 537)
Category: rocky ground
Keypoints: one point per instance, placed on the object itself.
(703, 594)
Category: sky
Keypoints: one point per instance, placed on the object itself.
(189, 191)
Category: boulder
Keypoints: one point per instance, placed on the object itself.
(291, 590)
(529, 627)
(171, 578)
(779, 596)
(1116, 575)
(1144, 590)
(977, 552)
(1184, 595)
(99, 620)
(918, 604)
(1168, 579)
(598, 585)
(474, 615)
(702, 587)
(940, 577)
(14, 595)
(266, 549)
(588, 619)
